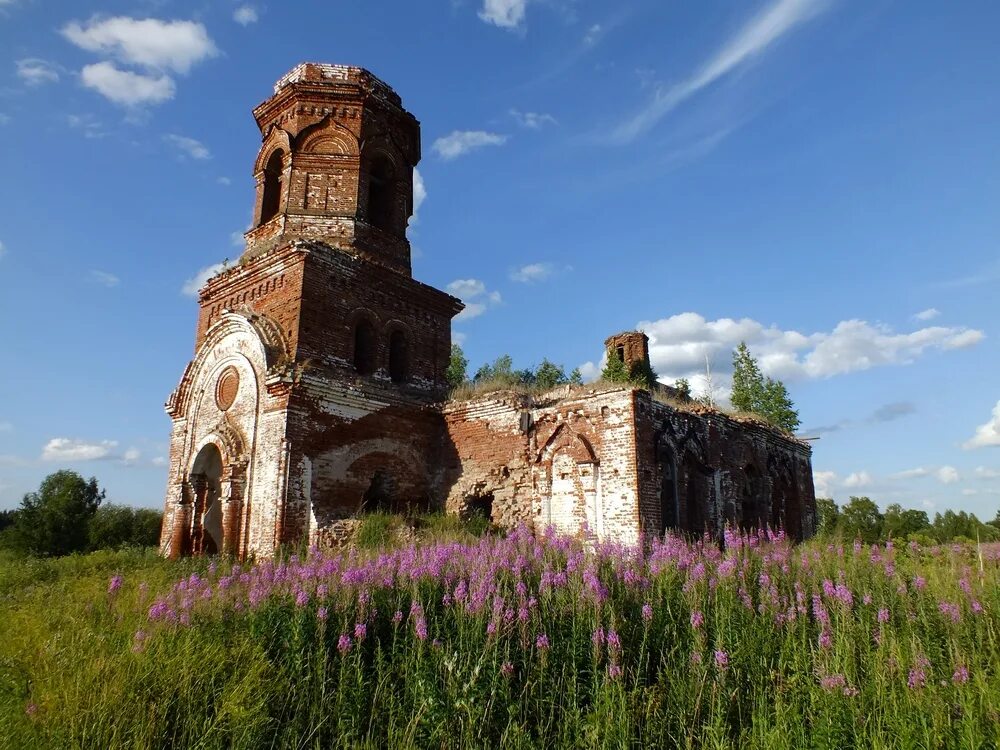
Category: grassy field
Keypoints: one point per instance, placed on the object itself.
(516, 641)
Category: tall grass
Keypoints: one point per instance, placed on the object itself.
(514, 642)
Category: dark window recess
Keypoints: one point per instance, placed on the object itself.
(380, 195)
(270, 202)
(399, 357)
(364, 348)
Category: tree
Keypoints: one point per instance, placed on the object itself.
(827, 516)
(501, 370)
(753, 393)
(616, 371)
(115, 526)
(457, 367)
(860, 519)
(683, 388)
(748, 382)
(778, 407)
(898, 523)
(55, 520)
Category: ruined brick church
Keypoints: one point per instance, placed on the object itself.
(318, 392)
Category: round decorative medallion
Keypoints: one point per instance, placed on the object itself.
(227, 388)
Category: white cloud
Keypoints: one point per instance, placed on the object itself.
(146, 42)
(460, 142)
(947, 475)
(104, 278)
(224, 181)
(532, 272)
(188, 146)
(507, 14)
(159, 461)
(590, 371)
(419, 194)
(680, 344)
(986, 434)
(532, 120)
(929, 314)
(858, 479)
(475, 295)
(753, 39)
(916, 473)
(983, 472)
(458, 337)
(89, 125)
(193, 285)
(823, 482)
(36, 72)
(245, 15)
(928, 504)
(593, 34)
(125, 87)
(67, 449)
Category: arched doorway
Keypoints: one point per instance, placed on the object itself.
(206, 483)
(668, 488)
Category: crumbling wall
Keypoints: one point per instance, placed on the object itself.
(700, 469)
(565, 459)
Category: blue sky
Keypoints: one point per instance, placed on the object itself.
(820, 179)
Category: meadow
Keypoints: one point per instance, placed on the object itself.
(516, 640)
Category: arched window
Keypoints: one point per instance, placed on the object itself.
(399, 357)
(380, 194)
(270, 202)
(668, 489)
(364, 348)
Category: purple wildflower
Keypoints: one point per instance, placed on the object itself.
(360, 631)
(507, 669)
(114, 584)
(344, 643)
(722, 660)
(647, 612)
(883, 615)
(542, 642)
(697, 619)
(322, 613)
(961, 675)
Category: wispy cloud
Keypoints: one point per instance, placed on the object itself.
(460, 142)
(104, 278)
(245, 15)
(507, 14)
(68, 449)
(858, 479)
(37, 72)
(766, 28)
(886, 413)
(193, 285)
(475, 295)
(534, 272)
(188, 146)
(532, 120)
(929, 314)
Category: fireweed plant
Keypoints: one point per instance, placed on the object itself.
(527, 641)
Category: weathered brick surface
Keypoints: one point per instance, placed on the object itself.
(316, 390)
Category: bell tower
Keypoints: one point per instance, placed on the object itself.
(336, 164)
(319, 360)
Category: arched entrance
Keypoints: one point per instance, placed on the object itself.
(206, 484)
(668, 488)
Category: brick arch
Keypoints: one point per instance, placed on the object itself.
(276, 139)
(327, 137)
(564, 437)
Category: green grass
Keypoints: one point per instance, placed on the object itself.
(256, 663)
